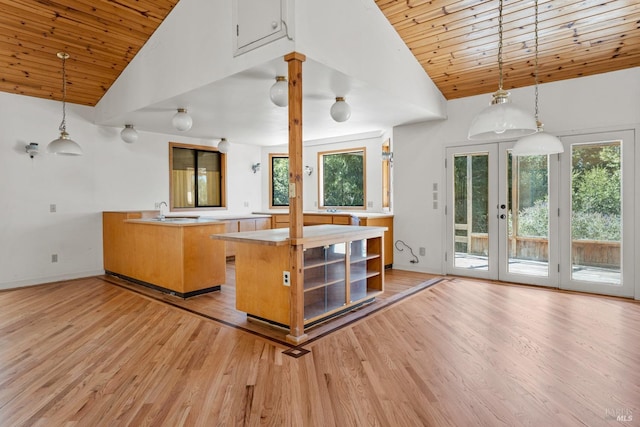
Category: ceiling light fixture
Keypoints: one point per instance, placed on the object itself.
(279, 92)
(223, 146)
(31, 149)
(64, 145)
(129, 134)
(540, 143)
(182, 120)
(501, 119)
(340, 110)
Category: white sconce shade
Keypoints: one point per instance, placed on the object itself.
(129, 134)
(340, 110)
(255, 167)
(501, 119)
(308, 170)
(279, 92)
(182, 120)
(64, 145)
(223, 146)
(32, 149)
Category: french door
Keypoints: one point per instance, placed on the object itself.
(561, 221)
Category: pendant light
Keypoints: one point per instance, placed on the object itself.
(540, 143)
(182, 120)
(64, 145)
(223, 146)
(501, 119)
(129, 134)
(279, 92)
(340, 111)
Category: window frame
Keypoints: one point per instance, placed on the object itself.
(320, 170)
(271, 157)
(223, 176)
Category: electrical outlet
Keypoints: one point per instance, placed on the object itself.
(286, 278)
(422, 251)
(53, 208)
(246, 204)
(54, 257)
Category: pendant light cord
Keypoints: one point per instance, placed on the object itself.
(500, 43)
(63, 124)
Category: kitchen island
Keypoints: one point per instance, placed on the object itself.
(343, 269)
(171, 254)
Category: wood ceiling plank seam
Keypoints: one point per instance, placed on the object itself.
(75, 19)
(159, 8)
(48, 50)
(404, 12)
(465, 60)
(136, 12)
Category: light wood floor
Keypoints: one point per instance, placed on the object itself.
(460, 353)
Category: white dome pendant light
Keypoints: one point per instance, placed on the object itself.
(64, 145)
(501, 119)
(223, 145)
(279, 92)
(540, 143)
(340, 111)
(129, 134)
(182, 120)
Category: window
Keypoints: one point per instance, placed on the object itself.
(279, 180)
(342, 181)
(197, 177)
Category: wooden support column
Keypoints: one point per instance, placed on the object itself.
(296, 332)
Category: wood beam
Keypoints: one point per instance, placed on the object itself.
(295, 60)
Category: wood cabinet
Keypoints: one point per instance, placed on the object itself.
(343, 268)
(175, 257)
(244, 224)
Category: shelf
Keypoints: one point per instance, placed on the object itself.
(315, 262)
(355, 260)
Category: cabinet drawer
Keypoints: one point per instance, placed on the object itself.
(317, 219)
(342, 219)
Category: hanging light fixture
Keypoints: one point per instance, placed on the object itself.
(501, 119)
(223, 146)
(129, 134)
(340, 111)
(64, 145)
(279, 92)
(540, 143)
(182, 120)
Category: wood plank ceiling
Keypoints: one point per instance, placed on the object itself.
(456, 41)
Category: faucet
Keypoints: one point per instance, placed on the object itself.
(161, 215)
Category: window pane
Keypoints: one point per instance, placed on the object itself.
(343, 179)
(279, 181)
(596, 217)
(183, 178)
(209, 192)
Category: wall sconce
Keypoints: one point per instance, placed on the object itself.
(255, 167)
(340, 111)
(129, 134)
(308, 170)
(32, 149)
(182, 120)
(387, 156)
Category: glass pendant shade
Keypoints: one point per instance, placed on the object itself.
(129, 134)
(223, 146)
(64, 146)
(279, 92)
(501, 119)
(340, 110)
(182, 120)
(540, 143)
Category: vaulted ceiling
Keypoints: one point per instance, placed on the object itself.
(456, 41)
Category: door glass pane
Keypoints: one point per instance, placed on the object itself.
(528, 215)
(209, 191)
(596, 212)
(471, 206)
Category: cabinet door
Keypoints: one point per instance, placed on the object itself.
(257, 22)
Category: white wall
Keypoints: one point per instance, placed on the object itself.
(373, 153)
(589, 104)
(111, 175)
